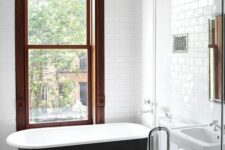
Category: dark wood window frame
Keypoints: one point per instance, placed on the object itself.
(95, 47)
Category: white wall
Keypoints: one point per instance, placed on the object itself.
(123, 66)
(146, 31)
(182, 78)
(7, 72)
(129, 69)
(122, 61)
(189, 72)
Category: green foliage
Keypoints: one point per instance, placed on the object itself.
(66, 99)
(47, 69)
(57, 22)
(54, 22)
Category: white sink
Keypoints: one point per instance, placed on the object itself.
(202, 134)
(196, 138)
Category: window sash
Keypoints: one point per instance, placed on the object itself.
(33, 47)
(97, 65)
(88, 28)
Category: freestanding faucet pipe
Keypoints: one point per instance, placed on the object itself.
(151, 133)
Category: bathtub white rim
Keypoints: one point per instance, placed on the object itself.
(68, 144)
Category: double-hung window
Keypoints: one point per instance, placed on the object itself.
(59, 62)
(56, 57)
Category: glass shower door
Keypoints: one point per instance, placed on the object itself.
(188, 73)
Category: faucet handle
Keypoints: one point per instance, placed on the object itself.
(150, 102)
(147, 101)
(214, 122)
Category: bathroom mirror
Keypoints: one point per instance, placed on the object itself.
(215, 58)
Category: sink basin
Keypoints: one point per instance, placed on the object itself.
(202, 135)
(196, 138)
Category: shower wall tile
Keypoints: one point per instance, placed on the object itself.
(122, 58)
(189, 71)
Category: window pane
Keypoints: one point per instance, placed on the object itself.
(57, 86)
(53, 22)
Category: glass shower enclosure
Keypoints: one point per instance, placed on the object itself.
(188, 55)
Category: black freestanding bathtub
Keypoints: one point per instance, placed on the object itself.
(139, 144)
(116, 136)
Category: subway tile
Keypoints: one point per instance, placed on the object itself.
(123, 70)
(7, 73)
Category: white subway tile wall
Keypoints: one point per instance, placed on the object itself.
(7, 72)
(122, 60)
(189, 71)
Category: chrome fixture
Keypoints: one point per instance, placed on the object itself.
(146, 112)
(157, 129)
(216, 125)
(149, 102)
(167, 115)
